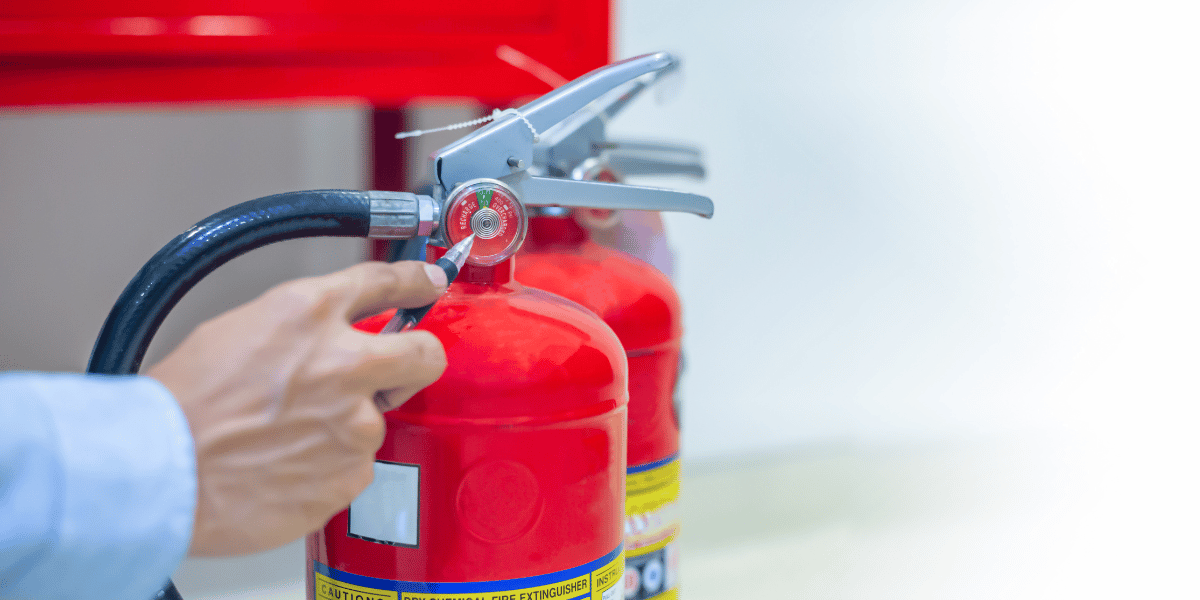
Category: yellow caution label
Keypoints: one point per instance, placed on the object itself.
(652, 521)
(331, 589)
(651, 506)
(647, 491)
(598, 580)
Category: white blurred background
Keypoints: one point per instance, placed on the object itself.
(942, 331)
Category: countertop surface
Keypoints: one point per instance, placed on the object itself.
(945, 520)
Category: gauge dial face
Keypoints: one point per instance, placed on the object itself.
(490, 210)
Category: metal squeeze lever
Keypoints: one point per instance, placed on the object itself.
(582, 135)
(505, 146)
(578, 147)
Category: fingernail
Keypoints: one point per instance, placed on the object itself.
(436, 276)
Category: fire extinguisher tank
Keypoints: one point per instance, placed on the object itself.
(506, 476)
(641, 306)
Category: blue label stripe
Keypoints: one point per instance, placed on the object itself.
(455, 587)
(651, 465)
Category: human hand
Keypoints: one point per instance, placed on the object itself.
(278, 394)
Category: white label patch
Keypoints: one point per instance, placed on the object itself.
(387, 511)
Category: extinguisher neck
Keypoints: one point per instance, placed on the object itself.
(555, 231)
(491, 275)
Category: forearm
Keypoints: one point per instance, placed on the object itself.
(97, 486)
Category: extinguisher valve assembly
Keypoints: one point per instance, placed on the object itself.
(530, 168)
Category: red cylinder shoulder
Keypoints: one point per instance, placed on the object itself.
(634, 298)
(640, 305)
(519, 449)
(516, 354)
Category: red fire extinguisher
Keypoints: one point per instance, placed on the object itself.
(505, 478)
(641, 306)
(643, 310)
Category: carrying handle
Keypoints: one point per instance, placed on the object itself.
(681, 150)
(632, 159)
(552, 108)
(632, 165)
(550, 191)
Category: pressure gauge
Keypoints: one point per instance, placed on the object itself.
(491, 211)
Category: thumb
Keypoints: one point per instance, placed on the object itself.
(374, 286)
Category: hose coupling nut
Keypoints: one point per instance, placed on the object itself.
(401, 215)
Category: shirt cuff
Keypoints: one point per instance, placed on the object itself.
(129, 493)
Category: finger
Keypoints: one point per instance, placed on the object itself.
(366, 427)
(335, 493)
(350, 485)
(388, 399)
(367, 288)
(411, 359)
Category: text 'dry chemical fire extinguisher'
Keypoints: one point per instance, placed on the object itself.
(506, 477)
(639, 303)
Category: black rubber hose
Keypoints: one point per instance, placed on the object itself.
(184, 261)
(168, 592)
(209, 244)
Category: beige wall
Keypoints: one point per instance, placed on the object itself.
(86, 198)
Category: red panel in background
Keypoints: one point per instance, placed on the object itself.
(385, 52)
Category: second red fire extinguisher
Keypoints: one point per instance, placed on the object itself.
(640, 304)
(642, 308)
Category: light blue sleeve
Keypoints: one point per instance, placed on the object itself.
(97, 486)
